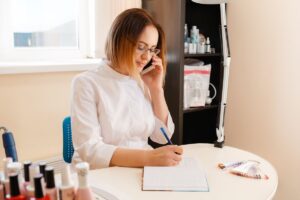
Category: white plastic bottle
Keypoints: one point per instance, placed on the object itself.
(84, 192)
(67, 188)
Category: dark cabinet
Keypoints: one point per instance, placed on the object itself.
(193, 125)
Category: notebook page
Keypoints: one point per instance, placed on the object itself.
(187, 176)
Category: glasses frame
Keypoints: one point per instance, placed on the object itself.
(146, 49)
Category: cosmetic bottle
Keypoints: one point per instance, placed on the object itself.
(67, 189)
(15, 193)
(16, 167)
(42, 166)
(207, 45)
(26, 165)
(185, 32)
(51, 190)
(33, 171)
(5, 181)
(83, 191)
(38, 188)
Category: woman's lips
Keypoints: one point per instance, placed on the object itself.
(141, 64)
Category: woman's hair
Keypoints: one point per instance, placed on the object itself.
(123, 37)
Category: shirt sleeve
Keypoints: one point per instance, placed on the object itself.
(86, 129)
(157, 136)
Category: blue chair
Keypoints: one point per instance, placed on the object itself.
(68, 148)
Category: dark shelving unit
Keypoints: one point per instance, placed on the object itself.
(196, 109)
(193, 125)
(202, 55)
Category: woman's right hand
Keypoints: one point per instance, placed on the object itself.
(169, 155)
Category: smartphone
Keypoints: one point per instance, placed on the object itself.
(148, 67)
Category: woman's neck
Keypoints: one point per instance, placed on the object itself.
(119, 70)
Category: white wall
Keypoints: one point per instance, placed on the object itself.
(32, 107)
(264, 95)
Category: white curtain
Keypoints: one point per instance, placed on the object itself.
(105, 13)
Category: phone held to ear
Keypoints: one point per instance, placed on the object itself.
(148, 68)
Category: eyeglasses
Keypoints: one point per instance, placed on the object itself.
(143, 48)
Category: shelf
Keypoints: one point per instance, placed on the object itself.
(199, 108)
(197, 55)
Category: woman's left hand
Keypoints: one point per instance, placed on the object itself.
(154, 78)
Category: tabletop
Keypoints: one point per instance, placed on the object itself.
(126, 183)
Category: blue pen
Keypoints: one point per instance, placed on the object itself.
(165, 134)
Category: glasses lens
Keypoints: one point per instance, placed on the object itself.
(156, 51)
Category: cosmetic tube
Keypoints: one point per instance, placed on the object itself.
(16, 167)
(5, 181)
(67, 189)
(38, 188)
(83, 191)
(15, 193)
(51, 190)
(230, 164)
(33, 170)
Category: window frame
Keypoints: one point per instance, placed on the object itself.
(85, 38)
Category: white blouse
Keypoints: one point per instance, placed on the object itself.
(110, 110)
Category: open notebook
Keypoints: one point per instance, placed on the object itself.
(187, 176)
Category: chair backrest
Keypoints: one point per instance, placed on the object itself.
(68, 148)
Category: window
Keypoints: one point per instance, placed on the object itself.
(55, 35)
(45, 29)
(45, 23)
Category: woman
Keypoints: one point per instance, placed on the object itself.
(116, 108)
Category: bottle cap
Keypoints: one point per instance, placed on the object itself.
(207, 40)
(26, 170)
(82, 172)
(42, 166)
(38, 189)
(82, 167)
(14, 185)
(14, 167)
(49, 175)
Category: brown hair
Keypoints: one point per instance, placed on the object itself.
(122, 39)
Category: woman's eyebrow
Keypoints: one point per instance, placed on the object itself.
(146, 44)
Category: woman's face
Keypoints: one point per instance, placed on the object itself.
(146, 46)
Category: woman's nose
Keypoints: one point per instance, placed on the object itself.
(146, 55)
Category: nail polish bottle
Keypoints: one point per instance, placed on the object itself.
(5, 181)
(15, 193)
(16, 167)
(42, 166)
(26, 165)
(67, 189)
(33, 171)
(51, 190)
(38, 188)
(83, 192)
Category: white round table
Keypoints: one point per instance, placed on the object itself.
(126, 183)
